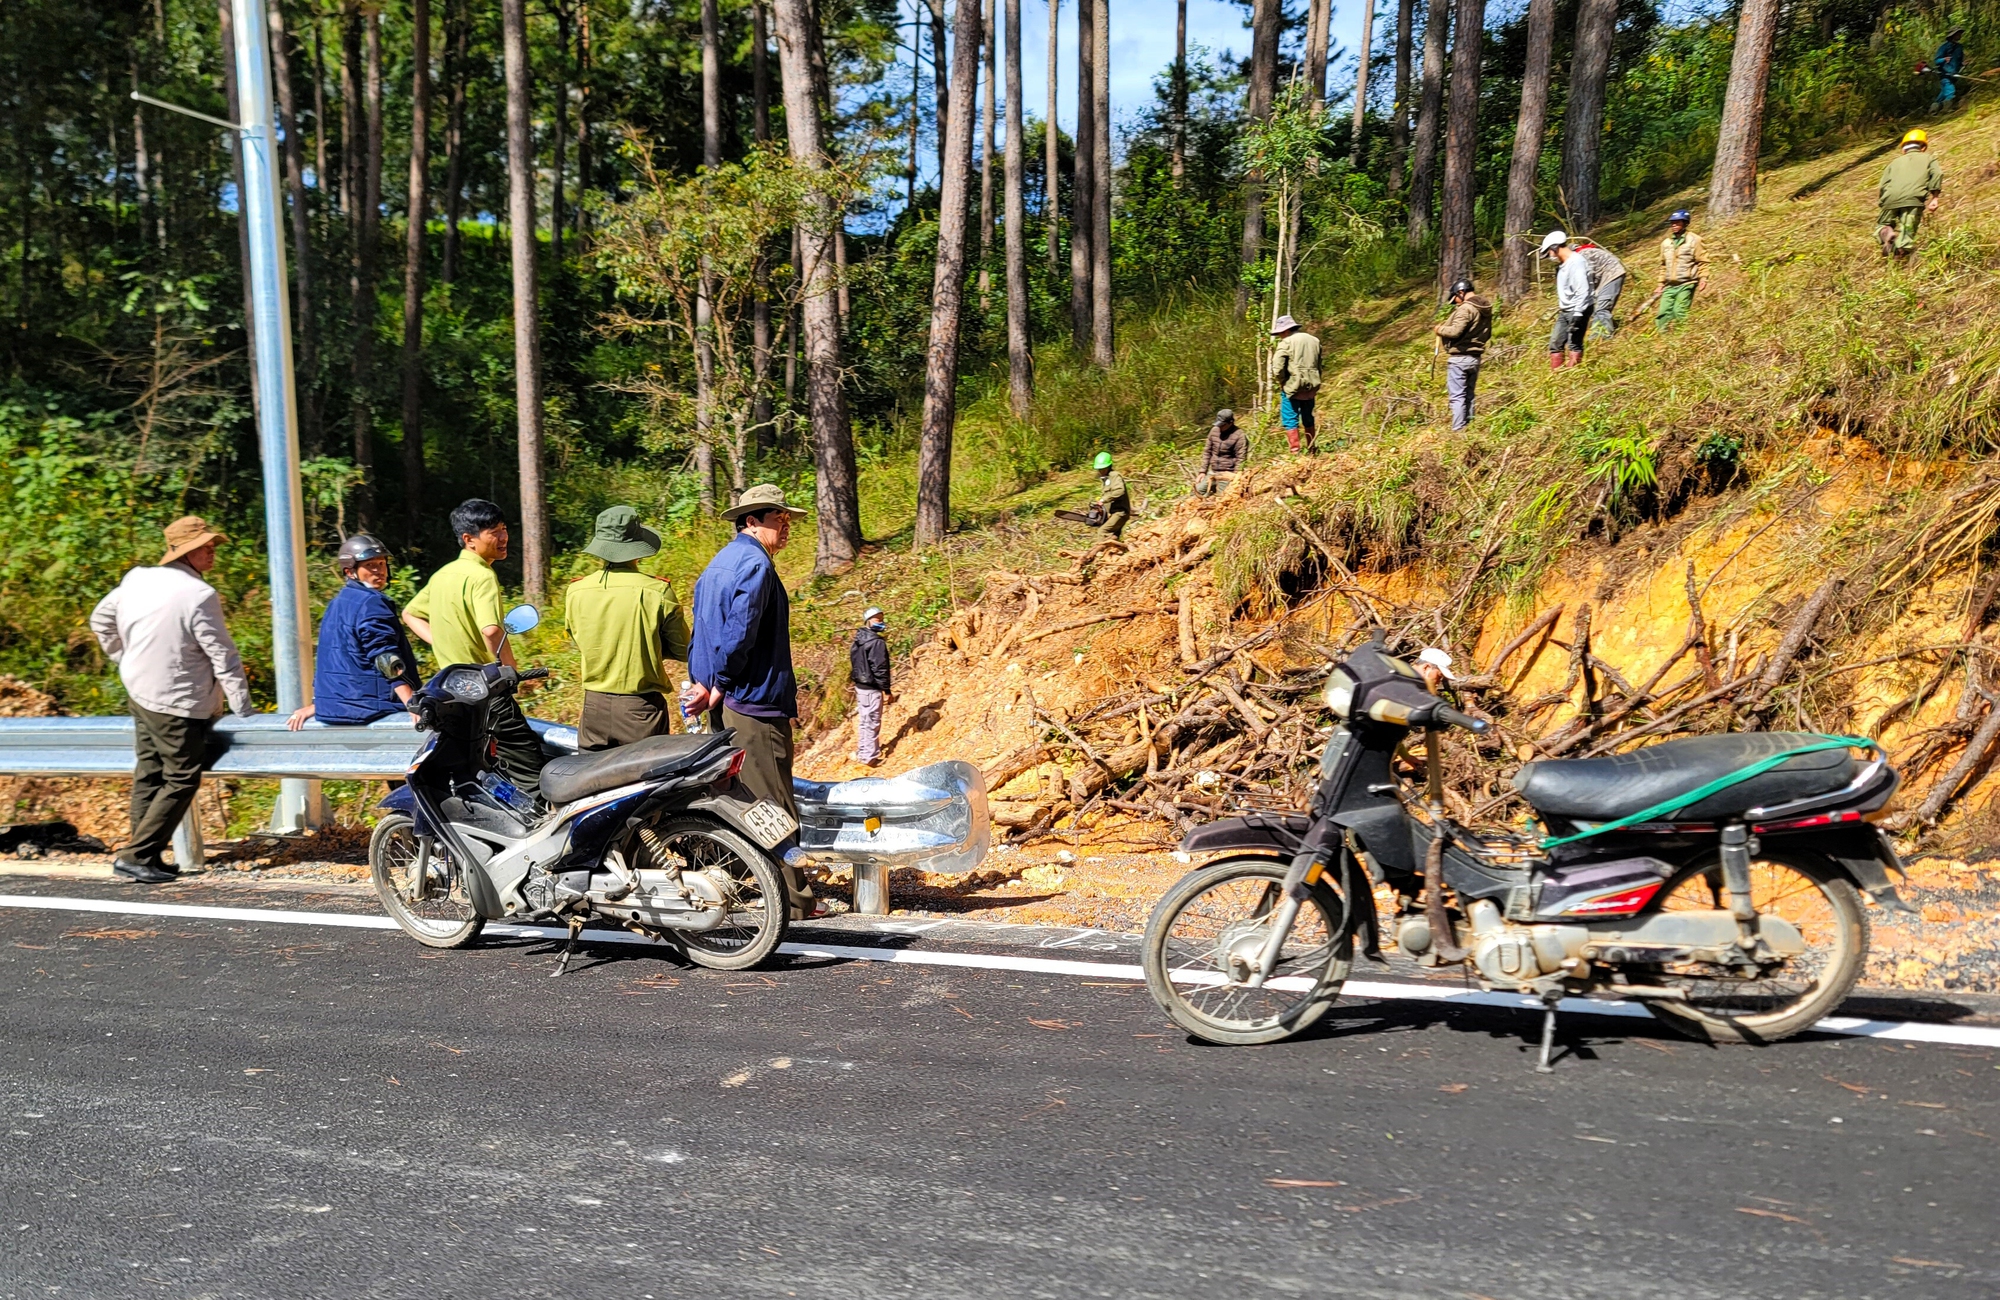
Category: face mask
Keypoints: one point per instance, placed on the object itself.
(878, 626)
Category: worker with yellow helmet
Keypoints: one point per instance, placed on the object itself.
(1910, 187)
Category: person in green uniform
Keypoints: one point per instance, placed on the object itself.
(1683, 271)
(626, 624)
(1910, 187)
(1114, 497)
(460, 614)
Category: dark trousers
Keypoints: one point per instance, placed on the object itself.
(1461, 383)
(1569, 330)
(521, 756)
(165, 778)
(610, 719)
(767, 774)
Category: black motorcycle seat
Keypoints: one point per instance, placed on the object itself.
(1605, 789)
(578, 776)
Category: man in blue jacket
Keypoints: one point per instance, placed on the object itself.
(360, 624)
(740, 655)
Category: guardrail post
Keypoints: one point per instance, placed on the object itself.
(871, 888)
(190, 853)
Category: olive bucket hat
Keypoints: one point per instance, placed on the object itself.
(621, 537)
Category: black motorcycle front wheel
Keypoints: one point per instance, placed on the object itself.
(439, 915)
(1214, 921)
(1728, 1006)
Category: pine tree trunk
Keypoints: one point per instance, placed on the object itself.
(1083, 182)
(322, 178)
(1430, 107)
(948, 290)
(307, 375)
(353, 134)
(1461, 150)
(1526, 168)
(986, 122)
(459, 24)
(1103, 344)
(367, 240)
(1732, 190)
(1583, 116)
(760, 310)
(1365, 50)
(1399, 112)
(940, 79)
(1052, 148)
(1020, 359)
(418, 212)
(1319, 19)
(527, 313)
(837, 490)
(1180, 104)
(704, 309)
(584, 154)
(558, 137)
(1265, 17)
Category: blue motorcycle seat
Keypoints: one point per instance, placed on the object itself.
(1618, 785)
(578, 776)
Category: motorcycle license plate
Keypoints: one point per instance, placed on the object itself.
(768, 823)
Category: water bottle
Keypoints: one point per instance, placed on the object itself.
(692, 723)
(505, 794)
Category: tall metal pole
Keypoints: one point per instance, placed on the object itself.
(299, 805)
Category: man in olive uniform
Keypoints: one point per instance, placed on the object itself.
(626, 624)
(1683, 270)
(461, 616)
(1115, 499)
(1910, 187)
(1222, 459)
(1465, 334)
(1295, 374)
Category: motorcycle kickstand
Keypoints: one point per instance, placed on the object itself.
(569, 948)
(1548, 1034)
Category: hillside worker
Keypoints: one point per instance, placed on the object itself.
(461, 615)
(360, 625)
(740, 660)
(1608, 273)
(627, 625)
(1295, 374)
(1683, 270)
(1910, 187)
(1113, 498)
(1576, 300)
(868, 666)
(1224, 456)
(1948, 63)
(1464, 333)
(163, 627)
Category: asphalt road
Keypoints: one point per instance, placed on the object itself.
(209, 1108)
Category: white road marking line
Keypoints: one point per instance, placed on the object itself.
(1372, 990)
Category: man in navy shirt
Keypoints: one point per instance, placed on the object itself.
(360, 624)
(740, 655)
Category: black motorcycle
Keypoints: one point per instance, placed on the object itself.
(1718, 880)
(658, 836)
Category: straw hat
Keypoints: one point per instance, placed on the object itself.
(187, 534)
(765, 496)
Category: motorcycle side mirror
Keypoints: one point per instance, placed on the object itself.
(390, 665)
(521, 618)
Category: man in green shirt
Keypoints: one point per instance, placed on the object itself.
(626, 624)
(1910, 187)
(1295, 374)
(460, 614)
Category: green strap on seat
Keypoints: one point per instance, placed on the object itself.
(1668, 807)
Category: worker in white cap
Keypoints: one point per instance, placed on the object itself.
(868, 663)
(1434, 666)
(1576, 300)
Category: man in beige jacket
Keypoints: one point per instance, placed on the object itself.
(163, 627)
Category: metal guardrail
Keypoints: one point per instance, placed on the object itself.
(933, 818)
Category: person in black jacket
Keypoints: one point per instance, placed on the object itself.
(868, 662)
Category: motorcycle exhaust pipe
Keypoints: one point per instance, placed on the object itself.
(690, 921)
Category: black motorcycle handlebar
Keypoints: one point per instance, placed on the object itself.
(533, 674)
(1453, 718)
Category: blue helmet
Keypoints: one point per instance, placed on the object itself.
(1681, 214)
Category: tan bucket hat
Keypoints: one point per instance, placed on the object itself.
(188, 533)
(755, 501)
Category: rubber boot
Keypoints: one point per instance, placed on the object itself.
(1886, 236)
(1575, 357)
(1555, 361)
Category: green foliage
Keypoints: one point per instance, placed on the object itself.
(1620, 456)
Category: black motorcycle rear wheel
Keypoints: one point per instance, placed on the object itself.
(1816, 897)
(749, 882)
(1202, 930)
